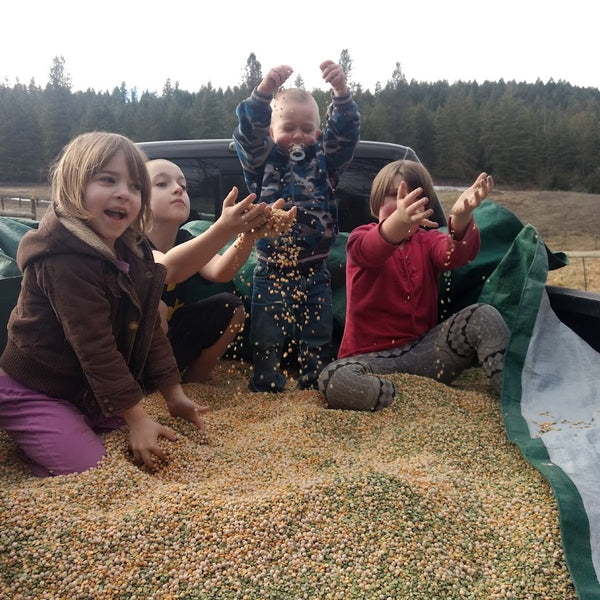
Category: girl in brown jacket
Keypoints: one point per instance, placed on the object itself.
(84, 341)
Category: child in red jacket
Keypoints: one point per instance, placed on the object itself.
(393, 271)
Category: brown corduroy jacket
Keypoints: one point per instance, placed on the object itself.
(83, 329)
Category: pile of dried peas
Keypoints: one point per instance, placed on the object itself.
(285, 499)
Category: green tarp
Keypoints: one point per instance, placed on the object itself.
(551, 401)
(11, 232)
(551, 393)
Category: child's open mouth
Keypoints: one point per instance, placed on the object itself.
(116, 214)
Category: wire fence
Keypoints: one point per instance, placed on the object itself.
(581, 273)
(590, 267)
(23, 207)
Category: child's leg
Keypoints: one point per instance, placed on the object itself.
(270, 319)
(201, 332)
(314, 323)
(55, 437)
(201, 368)
(477, 331)
(350, 384)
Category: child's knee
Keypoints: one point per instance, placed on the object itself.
(65, 459)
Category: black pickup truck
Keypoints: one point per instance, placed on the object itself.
(212, 167)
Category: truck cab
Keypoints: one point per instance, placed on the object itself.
(212, 168)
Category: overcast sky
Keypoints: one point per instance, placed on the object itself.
(108, 42)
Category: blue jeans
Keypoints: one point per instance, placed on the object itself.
(292, 305)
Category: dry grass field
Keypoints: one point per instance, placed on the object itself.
(567, 222)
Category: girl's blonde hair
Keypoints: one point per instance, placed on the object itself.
(86, 155)
(413, 173)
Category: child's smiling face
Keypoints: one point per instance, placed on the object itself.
(294, 123)
(113, 198)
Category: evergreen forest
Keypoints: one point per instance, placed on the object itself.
(527, 135)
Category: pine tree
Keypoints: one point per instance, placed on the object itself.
(346, 64)
(56, 115)
(252, 72)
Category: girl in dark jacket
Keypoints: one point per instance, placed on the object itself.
(84, 340)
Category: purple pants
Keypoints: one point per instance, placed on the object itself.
(55, 437)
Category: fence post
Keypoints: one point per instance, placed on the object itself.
(583, 255)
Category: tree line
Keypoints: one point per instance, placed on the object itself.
(528, 135)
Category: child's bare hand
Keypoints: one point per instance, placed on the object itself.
(274, 79)
(181, 406)
(333, 74)
(143, 441)
(472, 197)
(409, 213)
(278, 221)
(187, 409)
(244, 215)
(468, 201)
(163, 313)
(412, 208)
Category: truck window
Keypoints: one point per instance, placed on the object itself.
(203, 180)
(352, 193)
(230, 179)
(209, 181)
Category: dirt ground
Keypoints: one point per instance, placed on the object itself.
(567, 222)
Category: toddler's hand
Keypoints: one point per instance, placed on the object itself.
(334, 75)
(274, 79)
